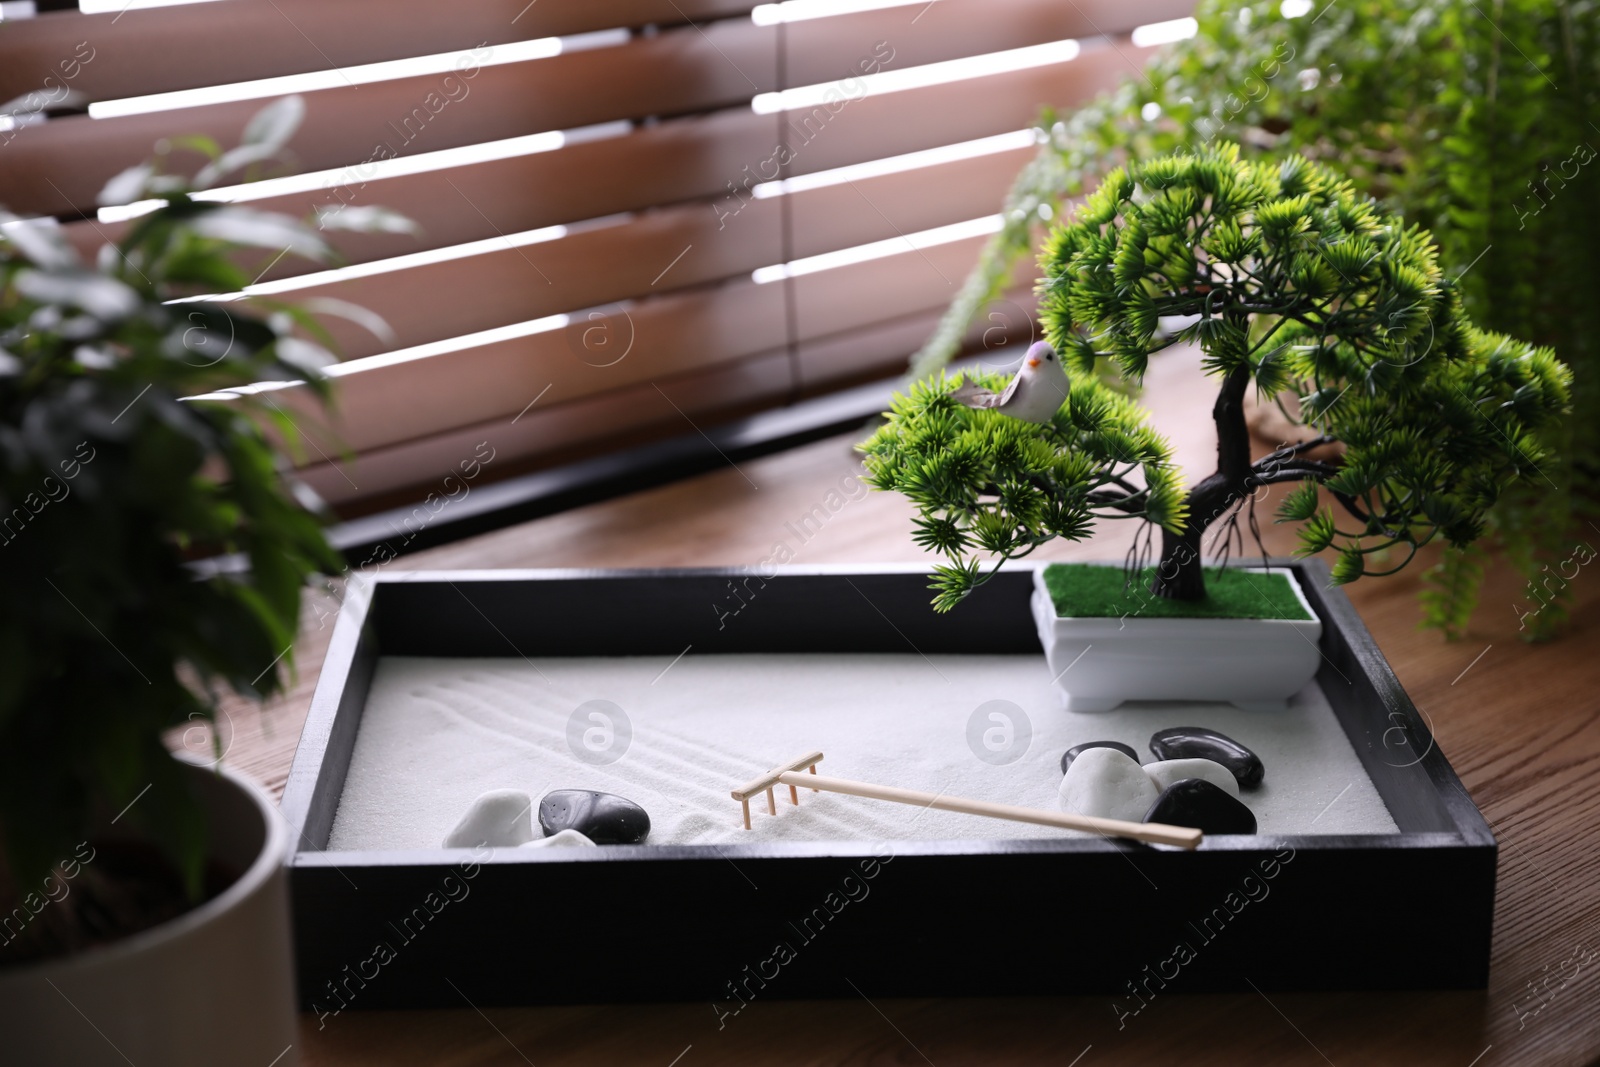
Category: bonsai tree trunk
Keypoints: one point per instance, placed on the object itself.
(1178, 575)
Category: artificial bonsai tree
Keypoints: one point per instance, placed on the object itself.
(1465, 134)
(1287, 279)
(112, 477)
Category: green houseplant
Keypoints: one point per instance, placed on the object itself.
(1472, 121)
(1287, 280)
(110, 481)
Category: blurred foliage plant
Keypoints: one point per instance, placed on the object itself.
(1471, 120)
(115, 467)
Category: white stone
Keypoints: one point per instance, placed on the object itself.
(1105, 783)
(561, 839)
(498, 818)
(1168, 771)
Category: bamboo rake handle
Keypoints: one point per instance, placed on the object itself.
(1153, 832)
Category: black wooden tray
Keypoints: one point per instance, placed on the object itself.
(424, 928)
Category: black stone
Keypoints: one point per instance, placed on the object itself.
(1073, 752)
(1196, 742)
(604, 818)
(1206, 807)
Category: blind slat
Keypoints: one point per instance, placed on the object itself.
(244, 40)
(864, 354)
(887, 124)
(616, 419)
(603, 422)
(827, 49)
(882, 349)
(60, 166)
(681, 160)
(661, 337)
(675, 72)
(674, 161)
(889, 205)
(111, 56)
(656, 253)
(659, 251)
(386, 405)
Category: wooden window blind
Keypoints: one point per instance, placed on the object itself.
(608, 191)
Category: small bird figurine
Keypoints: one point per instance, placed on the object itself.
(1034, 395)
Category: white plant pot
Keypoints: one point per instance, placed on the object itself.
(213, 986)
(1098, 663)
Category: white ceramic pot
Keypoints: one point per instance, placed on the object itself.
(1098, 663)
(213, 986)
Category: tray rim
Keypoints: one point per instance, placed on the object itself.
(328, 734)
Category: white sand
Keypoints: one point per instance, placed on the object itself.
(438, 732)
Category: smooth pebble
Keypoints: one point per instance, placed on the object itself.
(1170, 771)
(498, 818)
(1106, 783)
(1197, 742)
(604, 818)
(1206, 807)
(1077, 750)
(561, 839)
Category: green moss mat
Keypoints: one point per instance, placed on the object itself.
(1086, 590)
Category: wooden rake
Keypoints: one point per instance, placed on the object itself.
(789, 774)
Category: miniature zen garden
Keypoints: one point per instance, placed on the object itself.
(1190, 695)
(1287, 281)
(1290, 284)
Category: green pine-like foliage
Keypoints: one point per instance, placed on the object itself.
(1289, 279)
(1471, 120)
(986, 483)
(1293, 277)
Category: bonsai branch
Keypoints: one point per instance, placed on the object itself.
(1295, 448)
(1298, 472)
(1132, 504)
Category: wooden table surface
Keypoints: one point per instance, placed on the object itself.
(1520, 724)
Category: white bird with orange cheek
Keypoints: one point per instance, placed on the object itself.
(1034, 395)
